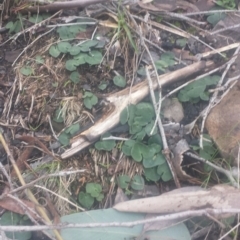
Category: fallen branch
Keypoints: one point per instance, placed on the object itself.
(118, 101)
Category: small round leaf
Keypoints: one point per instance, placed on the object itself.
(85, 199)
(75, 77)
(54, 51)
(137, 183)
(119, 81)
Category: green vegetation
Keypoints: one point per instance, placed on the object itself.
(14, 219)
(93, 192)
(143, 146)
(229, 4)
(196, 91)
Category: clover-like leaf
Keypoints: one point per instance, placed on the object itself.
(123, 181)
(155, 139)
(143, 109)
(89, 100)
(94, 57)
(149, 127)
(26, 70)
(54, 51)
(39, 59)
(94, 189)
(86, 46)
(164, 171)
(100, 197)
(127, 147)
(74, 50)
(74, 128)
(106, 145)
(137, 183)
(75, 77)
(85, 199)
(71, 65)
(119, 81)
(138, 150)
(80, 58)
(151, 174)
(64, 138)
(154, 161)
(64, 47)
(103, 85)
(135, 128)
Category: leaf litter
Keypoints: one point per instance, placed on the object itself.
(53, 106)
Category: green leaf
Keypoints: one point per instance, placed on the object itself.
(86, 46)
(138, 150)
(35, 18)
(9, 25)
(127, 115)
(54, 51)
(149, 128)
(74, 128)
(176, 232)
(74, 50)
(154, 161)
(119, 81)
(13, 219)
(64, 33)
(215, 18)
(64, 139)
(106, 145)
(77, 28)
(85, 199)
(196, 90)
(127, 147)
(204, 96)
(145, 110)
(139, 136)
(94, 189)
(68, 32)
(75, 77)
(155, 139)
(137, 183)
(14, 27)
(64, 47)
(229, 4)
(103, 85)
(166, 60)
(80, 58)
(89, 100)
(94, 57)
(71, 64)
(124, 115)
(164, 171)
(39, 59)
(123, 181)
(26, 70)
(151, 174)
(100, 197)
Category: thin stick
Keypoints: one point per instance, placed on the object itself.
(217, 168)
(164, 140)
(185, 214)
